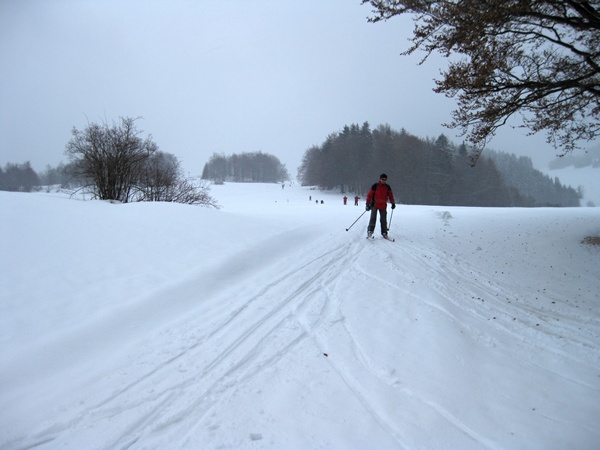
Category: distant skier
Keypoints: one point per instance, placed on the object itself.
(345, 200)
(356, 199)
(377, 199)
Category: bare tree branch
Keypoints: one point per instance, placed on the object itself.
(536, 58)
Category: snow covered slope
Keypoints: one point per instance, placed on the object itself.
(586, 177)
(267, 325)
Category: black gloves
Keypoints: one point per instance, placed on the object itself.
(368, 207)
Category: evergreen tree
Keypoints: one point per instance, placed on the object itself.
(18, 178)
(426, 171)
(245, 167)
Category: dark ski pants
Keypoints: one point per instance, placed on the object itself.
(382, 220)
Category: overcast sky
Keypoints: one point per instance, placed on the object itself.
(214, 76)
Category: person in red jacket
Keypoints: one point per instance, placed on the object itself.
(377, 199)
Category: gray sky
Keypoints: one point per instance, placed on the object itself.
(224, 76)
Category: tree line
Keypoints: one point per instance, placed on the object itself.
(537, 188)
(589, 158)
(254, 167)
(427, 171)
(114, 162)
(18, 178)
(23, 178)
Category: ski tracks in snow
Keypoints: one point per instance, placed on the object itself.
(485, 320)
(176, 394)
(167, 395)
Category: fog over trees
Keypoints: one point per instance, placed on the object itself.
(427, 171)
(255, 167)
(18, 178)
(589, 158)
(114, 162)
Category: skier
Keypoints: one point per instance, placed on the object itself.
(345, 199)
(356, 199)
(377, 201)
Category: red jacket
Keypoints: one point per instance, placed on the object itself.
(379, 195)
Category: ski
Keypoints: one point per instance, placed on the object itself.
(382, 237)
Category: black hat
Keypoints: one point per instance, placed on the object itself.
(383, 175)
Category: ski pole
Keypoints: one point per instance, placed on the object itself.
(356, 220)
(390, 224)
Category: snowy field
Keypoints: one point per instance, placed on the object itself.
(266, 325)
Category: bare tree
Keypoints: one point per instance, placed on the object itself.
(192, 191)
(159, 175)
(538, 58)
(162, 180)
(110, 157)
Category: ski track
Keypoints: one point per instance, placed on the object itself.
(444, 272)
(251, 339)
(347, 369)
(259, 333)
(405, 395)
(476, 285)
(441, 272)
(203, 368)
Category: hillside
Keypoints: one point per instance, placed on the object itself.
(586, 177)
(266, 325)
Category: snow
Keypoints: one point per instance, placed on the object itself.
(586, 177)
(266, 325)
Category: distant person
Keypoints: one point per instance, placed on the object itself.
(356, 199)
(345, 200)
(377, 199)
